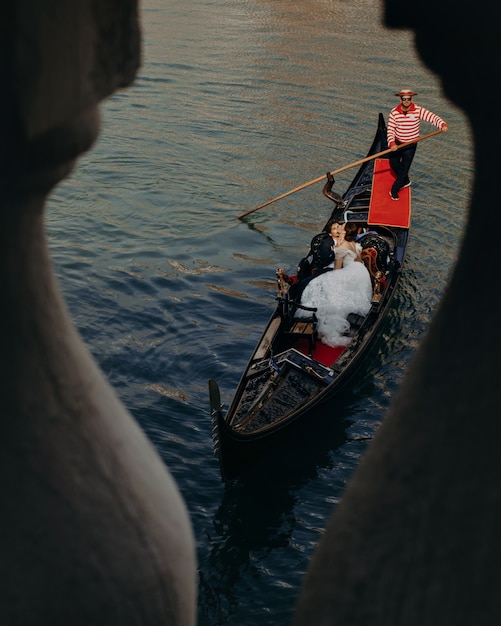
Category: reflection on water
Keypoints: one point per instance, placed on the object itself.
(235, 104)
(256, 520)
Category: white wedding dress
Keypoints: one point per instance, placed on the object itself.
(336, 294)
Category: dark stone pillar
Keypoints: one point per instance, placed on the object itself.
(93, 528)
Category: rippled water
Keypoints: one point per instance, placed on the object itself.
(236, 103)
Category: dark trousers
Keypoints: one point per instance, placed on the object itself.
(400, 162)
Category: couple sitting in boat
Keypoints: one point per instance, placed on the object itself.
(340, 285)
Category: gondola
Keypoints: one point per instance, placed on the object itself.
(291, 373)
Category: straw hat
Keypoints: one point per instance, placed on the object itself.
(406, 92)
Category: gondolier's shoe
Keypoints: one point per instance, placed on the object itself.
(393, 196)
(407, 184)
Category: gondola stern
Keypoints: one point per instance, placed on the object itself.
(216, 413)
(219, 426)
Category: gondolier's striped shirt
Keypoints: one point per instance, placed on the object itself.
(405, 127)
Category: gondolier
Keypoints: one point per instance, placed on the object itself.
(403, 126)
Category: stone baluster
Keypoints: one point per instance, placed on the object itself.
(93, 528)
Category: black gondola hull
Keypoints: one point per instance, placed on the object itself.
(286, 383)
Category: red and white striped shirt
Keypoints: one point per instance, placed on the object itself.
(403, 127)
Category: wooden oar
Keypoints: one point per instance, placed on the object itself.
(341, 169)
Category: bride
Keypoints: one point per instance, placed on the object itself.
(347, 289)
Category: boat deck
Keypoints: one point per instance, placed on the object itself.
(321, 353)
(383, 210)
